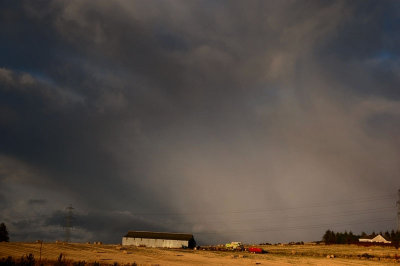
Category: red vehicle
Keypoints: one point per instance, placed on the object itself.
(255, 250)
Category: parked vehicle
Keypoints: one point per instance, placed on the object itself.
(234, 246)
(255, 250)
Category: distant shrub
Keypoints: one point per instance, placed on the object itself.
(27, 260)
(296, 243)
(61, 261)
(9, 261)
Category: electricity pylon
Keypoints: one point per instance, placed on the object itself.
(68, 223)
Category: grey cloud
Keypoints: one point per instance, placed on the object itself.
(144, 108)
(37, 201)
(100, 225)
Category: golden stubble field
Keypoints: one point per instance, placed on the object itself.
(277, 255)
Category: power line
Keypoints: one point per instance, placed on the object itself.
(260, 210)
(327, 215)
(294, 227)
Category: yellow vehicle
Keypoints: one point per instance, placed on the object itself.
(234, 246)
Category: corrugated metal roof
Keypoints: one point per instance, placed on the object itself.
(159, 235)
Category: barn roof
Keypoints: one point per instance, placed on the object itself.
(159, 235)
(373, 237)
(378, 238)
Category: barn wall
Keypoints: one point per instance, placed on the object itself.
(155, 243)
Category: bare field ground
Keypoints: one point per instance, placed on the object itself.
(277, 255)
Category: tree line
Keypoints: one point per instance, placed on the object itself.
(331, 237)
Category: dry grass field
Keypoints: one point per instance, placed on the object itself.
(277, 255)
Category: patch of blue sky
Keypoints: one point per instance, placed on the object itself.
(37, 75)
(384, 55)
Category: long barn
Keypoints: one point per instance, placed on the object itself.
(158, 239)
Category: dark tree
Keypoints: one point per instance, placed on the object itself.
(192, 243)
(387, 235)
(3, 233)
(339, 238)
(395, 237)
(392, 235)
(329, 237)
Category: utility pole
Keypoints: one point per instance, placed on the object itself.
(68, 223)
(398, 212)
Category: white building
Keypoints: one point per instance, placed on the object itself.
(159, 240)
(377, 239)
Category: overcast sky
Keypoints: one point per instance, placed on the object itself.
(254, 121)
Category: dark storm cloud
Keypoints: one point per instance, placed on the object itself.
(37, 201)
(96, 225)
(133, 111)
(3, 201)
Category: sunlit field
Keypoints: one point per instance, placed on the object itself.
(90, 254)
